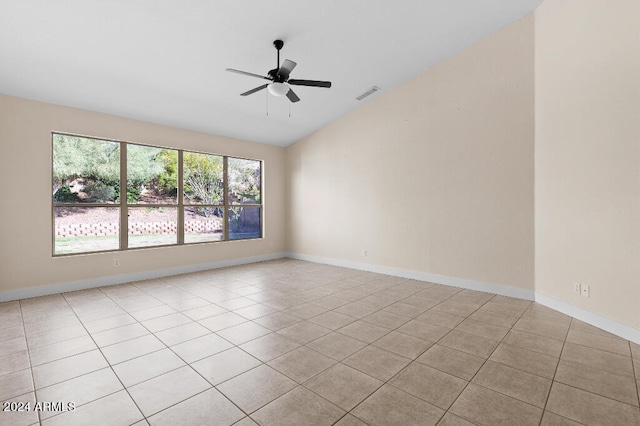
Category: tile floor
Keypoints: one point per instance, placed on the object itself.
(294, 343)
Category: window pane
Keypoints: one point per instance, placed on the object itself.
(152, 226)
(86, 229)
(203, 177)
(152, 175)
(244, 222)
(244, 181)
(85, 170)
(203, 224)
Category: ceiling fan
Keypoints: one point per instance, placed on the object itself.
(279, 77)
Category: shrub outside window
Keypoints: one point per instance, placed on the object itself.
(110, 195)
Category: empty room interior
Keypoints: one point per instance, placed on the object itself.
(320, 213)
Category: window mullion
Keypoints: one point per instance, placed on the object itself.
(225, 196)
(180, 198)
(124, 209)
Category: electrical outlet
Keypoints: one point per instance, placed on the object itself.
(576, 288)
(364, 252)
(586, 290)
(116, 262)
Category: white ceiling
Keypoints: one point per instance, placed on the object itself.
(164, 61)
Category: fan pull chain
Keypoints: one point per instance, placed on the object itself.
(267, 95)
(289, 109)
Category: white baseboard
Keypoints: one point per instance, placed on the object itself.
(47, 290)
(607, 324)
(503, 290)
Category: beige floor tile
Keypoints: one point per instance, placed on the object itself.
(80, 390)
(130, 349)
(635, 350)
(120, 334)
(598, 359)
(255, 311)
(485, 407)
(600, 382)
(303, 332)
(551, 419)
(332, 320)
(452, 420)
(306, 311)
(533, 342)
(456, 308)
(423, 330)
(153, 312)
(225, 365)
(377, 362)
(503, 308)
(14, 362)
(203, 312)
(256, 388)
(441, 319)
(404, 309)
(337, 346)
(187, 304)
(364, 331)
(168, 321)
(53, 323)
(483, 329)
(115, 409)
(469, 343)
(164, 391)
(55, 351)
(518, 384)
(596, 341)
(542, 328)
(298, 407)
(343, 386)
(20, 418)
(376, 301)
(386, 319)
(301, 364)
(402, 344)
(356, 310)
(421, 302)
(429, 384)
(454, 362)
(198, 410)
(588, 408)
(242, 333)
(236, 303)
(67, 368)
(494, 318)
(391, 406)
(538, 312)
(268, 347)
(578, 325)
(12, 346)
(147, 367)
(10, 333)
(246, 422)
(329, 302)
(109, 323)
(222, 321)
(277, 321)
(201, 347)
(525, 360)
(349, 420)
(15, 384)
(182, 333)
(48, 337)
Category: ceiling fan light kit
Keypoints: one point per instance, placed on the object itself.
(280, 83)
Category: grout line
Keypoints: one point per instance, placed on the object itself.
(33, 379)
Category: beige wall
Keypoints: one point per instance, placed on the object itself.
(435, 175)
(588, 154)
(25, 225)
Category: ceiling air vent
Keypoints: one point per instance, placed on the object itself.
(369, 92)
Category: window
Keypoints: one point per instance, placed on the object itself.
(111, 195)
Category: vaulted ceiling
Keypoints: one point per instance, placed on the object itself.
(164, 61)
